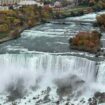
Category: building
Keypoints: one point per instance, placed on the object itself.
(21, 2)
(7, 2)
(57, 4)
(4, 8)
(30, 2)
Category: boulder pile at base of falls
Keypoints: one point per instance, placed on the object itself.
(16, 90)
(98, 98)
(69, 86)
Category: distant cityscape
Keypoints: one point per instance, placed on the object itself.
(9, 1)
(5, 4)
(12, 2)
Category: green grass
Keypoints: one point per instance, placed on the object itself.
(3, 35)
(77, 9)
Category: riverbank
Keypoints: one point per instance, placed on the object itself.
(79, 10)
(15, 34)
(13, 22)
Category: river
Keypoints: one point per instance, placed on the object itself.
(37, 66)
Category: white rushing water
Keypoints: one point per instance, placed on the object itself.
(49, 65)
(87, 17)
(101, 73)
(31, 67)
(47, 70)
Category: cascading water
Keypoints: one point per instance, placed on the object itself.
(101, 74)
(29, 67)
(34, 75)
(43, 70)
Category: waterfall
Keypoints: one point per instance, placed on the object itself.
(101, 73)
(32, 66)
(99, 84)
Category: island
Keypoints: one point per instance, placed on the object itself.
(86, 41)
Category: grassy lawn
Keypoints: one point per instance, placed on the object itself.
(79, 8)
(75, 10)
(3, 35)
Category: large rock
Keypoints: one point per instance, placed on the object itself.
(66, 86)
(100, 97)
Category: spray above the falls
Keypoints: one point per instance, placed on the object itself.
(45, 67)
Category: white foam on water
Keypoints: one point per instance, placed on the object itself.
(47, 68)
(17, 66)
(87, 17)
(101, 73)
(32, 33)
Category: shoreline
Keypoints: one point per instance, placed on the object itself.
(16, 32)
(11, 37)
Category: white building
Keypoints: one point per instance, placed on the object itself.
(30, 2)
(57, 4)
(2, 2)
(4, 7)
(20, 2)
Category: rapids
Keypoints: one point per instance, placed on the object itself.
(40, 69)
